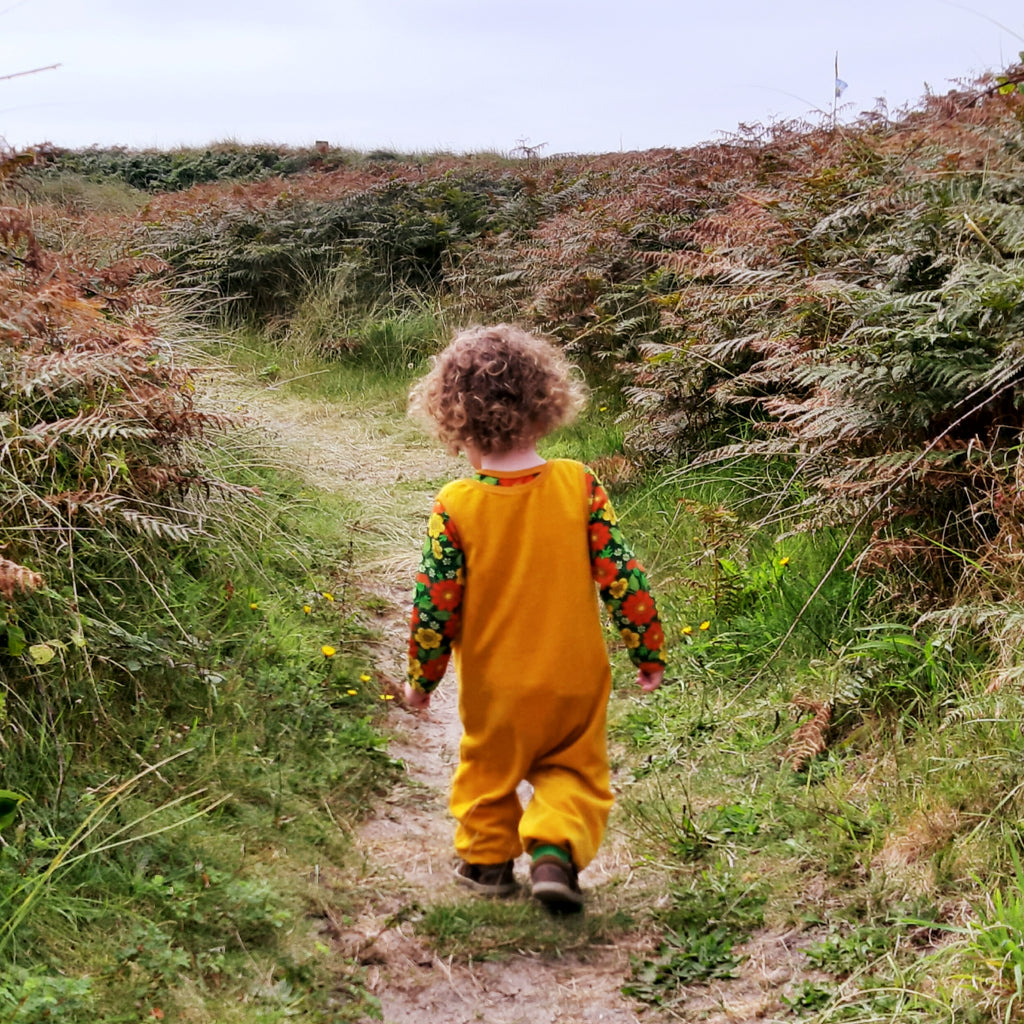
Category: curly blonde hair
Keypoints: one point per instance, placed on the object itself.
(496, 387)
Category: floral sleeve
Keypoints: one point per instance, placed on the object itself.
(623, 584)
(436, 602)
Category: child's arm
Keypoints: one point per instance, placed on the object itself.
(436, 606)
(624, 590)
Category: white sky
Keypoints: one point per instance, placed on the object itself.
(582, 76)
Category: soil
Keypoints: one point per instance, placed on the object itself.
(381, 462)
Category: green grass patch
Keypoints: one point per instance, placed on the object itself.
(490, 929)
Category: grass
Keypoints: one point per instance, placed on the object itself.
(492, 929)
(184, 809)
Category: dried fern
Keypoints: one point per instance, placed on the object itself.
(809, 739)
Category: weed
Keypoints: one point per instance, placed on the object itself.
(684, 958)
(808, 997)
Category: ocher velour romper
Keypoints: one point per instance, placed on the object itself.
(532, 667)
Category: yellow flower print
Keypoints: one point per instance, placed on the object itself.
(460, 576)
(608, 515)
(630, 639)
(435, 525)
(436, 548)
(618, 588)
(428, 639)
(415, 668)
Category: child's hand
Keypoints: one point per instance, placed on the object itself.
(649, 681)
(415, 699)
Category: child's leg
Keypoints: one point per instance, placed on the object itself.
(488, 815)
(571, 794)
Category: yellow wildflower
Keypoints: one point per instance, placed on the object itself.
(784, 561)
(705, 625)
(604, 408)
(435, 526)
(428, 639)
(687, 630)
(630, 639)
(327, 597)
(307, 609)
(364, 678)
(618, 588)
(253, 605)
(387, 696)
(328, 651)
(352, 693)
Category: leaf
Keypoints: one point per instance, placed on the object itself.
(41, 654)
(9, 804)
(15, 640)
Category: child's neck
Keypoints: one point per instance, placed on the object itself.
(525, 457)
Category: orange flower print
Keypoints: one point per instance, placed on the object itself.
(604, 572)
(630, 639)
(600, 535)
(618, 588)
(639, 607)
(433, 670)
(654, 637)
(446, 595)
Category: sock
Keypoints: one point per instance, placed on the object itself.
(555, 851)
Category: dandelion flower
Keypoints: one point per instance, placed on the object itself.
(604, 408)
(387, 696)
(352, 693)
(364, 678)
(784, 561)
(705, 625)
(328, 651)
(327, 597)
(687, 630)
(253, 605)
(307, 609)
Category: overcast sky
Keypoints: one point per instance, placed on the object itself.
(581, 76)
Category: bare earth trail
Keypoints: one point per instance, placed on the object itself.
(378, 460)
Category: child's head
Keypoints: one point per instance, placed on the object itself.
(498, 388)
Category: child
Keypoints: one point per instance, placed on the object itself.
(506, 584)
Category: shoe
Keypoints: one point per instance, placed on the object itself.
(487, 879)
(554, 884)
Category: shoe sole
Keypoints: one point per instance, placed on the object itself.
(505, 889)
(558, 897)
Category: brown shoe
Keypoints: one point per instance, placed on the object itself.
(487, 879)
(554, 883)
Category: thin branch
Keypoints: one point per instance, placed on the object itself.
(34, 71)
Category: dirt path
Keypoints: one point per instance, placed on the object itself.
(381, 462)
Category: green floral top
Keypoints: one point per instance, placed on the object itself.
(619, 575)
